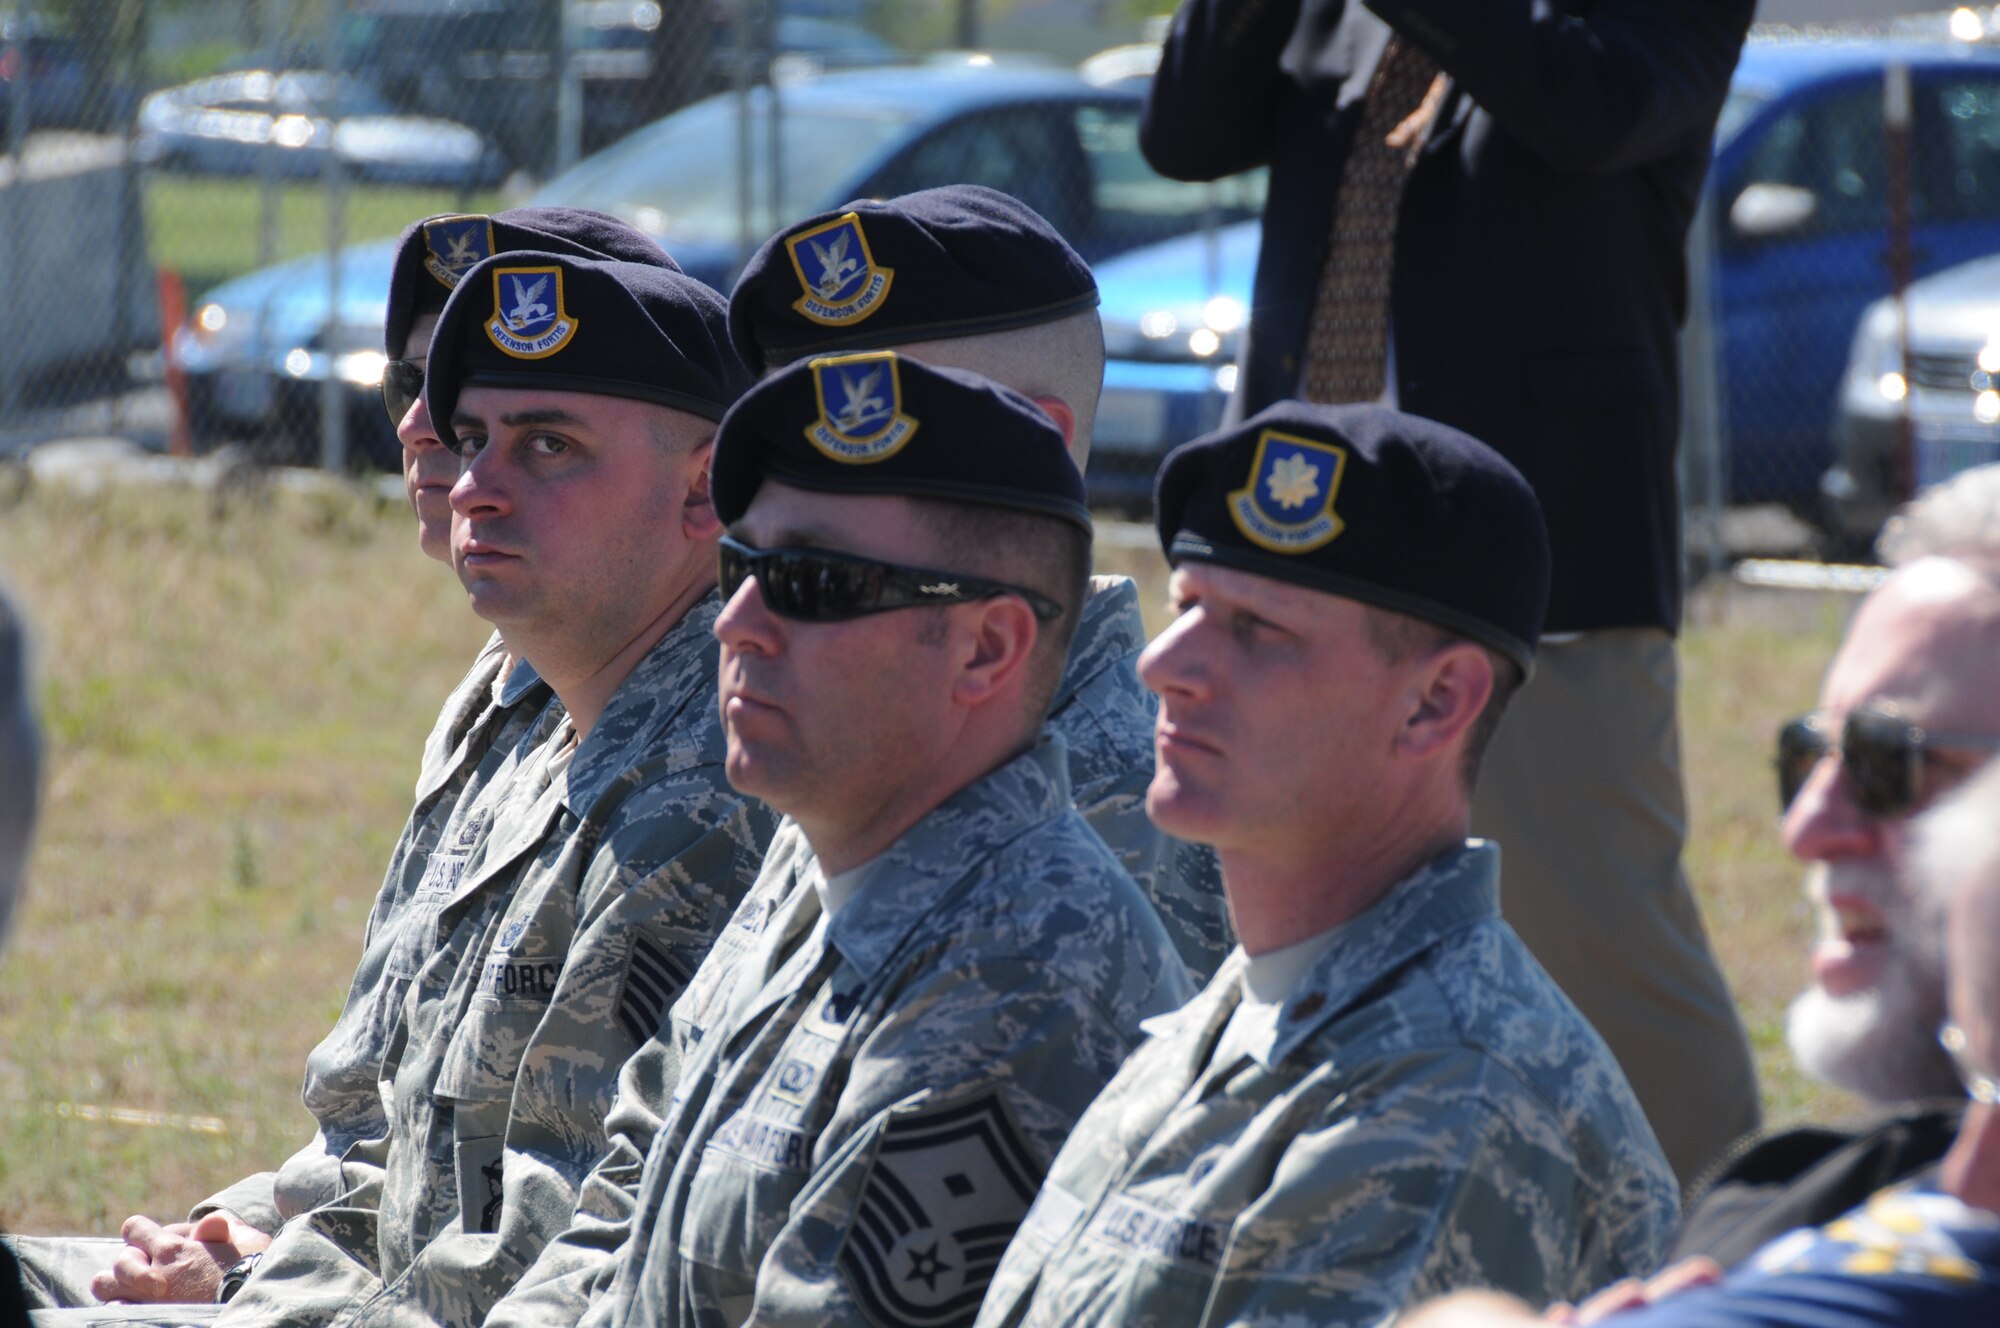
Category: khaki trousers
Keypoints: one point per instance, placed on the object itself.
(1582, 790)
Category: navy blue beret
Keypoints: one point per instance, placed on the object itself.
(436, 252)
(1370, 504)
(876, 422)
(949, 262)
(556, 322)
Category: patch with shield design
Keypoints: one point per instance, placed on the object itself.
(948, 1190)
(842, 284)
(1287, 504)
(861, 418)
(529, 321)
(452, 245)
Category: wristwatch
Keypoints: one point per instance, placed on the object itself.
(236, 1275)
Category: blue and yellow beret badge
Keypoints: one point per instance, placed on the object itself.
(842, 284)
(1287, 505)
(861, 418)
(452, 245)
(529, 321)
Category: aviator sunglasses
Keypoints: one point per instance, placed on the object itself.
(1882, 756)
(402, 384)
(818, 585)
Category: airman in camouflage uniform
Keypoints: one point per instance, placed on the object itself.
(969, 278)
(619, 851)
(472, 746)
(1389, 1098)
(914, 1004)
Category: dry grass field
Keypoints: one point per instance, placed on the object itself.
(234, 692)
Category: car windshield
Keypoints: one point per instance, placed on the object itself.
(680, 176)
(1735, 110)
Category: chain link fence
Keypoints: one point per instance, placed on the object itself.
(197, 200)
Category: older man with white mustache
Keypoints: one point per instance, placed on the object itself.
(1909, 709)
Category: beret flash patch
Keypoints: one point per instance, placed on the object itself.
(861, 418)
(529, 321)
(452, 245)
(1287, 504)
(837, 272)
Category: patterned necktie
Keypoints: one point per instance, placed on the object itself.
(1347, 344)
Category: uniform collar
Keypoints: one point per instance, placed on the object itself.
(519, 684)
(1445, 895)
(664, 712)
(925, 868)
(1110, 631)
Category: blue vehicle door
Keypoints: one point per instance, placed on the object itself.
(1800, 251)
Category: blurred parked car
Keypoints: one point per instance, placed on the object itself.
(55, 71)
(1951, 392)
(283, 122)
(257, 347)
(1799, 185)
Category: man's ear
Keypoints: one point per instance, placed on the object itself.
(1450, 690)
(1003, 637)
(1059, 410)
(698, 519)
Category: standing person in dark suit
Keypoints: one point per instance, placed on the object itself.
(1478, 213)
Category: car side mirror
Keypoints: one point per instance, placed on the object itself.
(1765, 211)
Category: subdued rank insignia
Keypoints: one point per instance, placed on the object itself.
(861, 418)
(837, 272)
(948, 1191)
(653, 981)
(452, 245)
(529, 321)
(1287, 505)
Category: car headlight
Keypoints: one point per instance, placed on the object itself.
(220, 336)
(1875, 384)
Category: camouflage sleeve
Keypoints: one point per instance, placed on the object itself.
(1455, 1174)
(251, 1200)
(676, 857)
(557, 1290)
(953, 1108)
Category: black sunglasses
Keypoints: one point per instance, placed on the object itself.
(1882, 756)
(818, 585)
(402, 384)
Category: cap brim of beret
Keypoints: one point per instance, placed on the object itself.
(1188, 545)
(982, 495)
(602, 387)
(943, 330)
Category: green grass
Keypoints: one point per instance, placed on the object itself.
(235, 692)
(208, 228)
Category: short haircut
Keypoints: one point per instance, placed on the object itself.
(1958, 519)
(1027, 549)
(1063, 359)
(1397, 637)
(20, 760)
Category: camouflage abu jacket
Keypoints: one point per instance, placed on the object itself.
(1105, 715)
(1425, 1112)
(602, 884)
(866, 1118)
(480, 736)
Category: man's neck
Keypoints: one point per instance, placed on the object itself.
(586, 684)
(1279, 899)
(844, 845)
(1971, 1170)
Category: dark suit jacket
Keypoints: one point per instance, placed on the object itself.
(1540, 276)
